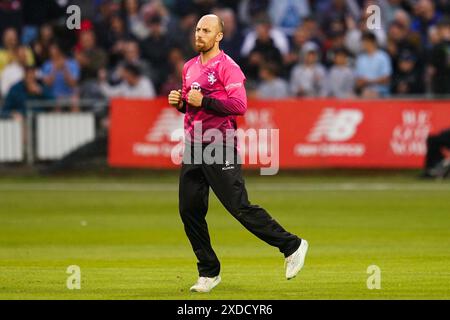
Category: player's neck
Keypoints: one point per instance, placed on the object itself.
(206, 56)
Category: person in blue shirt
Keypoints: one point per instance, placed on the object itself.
(60, 74)
(27, 89)
(373, 69)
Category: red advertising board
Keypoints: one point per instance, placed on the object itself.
(311, 133)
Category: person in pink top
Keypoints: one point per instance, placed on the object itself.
(212, 96)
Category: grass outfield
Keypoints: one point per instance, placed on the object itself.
(127, 238)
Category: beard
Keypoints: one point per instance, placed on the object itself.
(203, 47)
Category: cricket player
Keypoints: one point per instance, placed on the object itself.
(213, 95)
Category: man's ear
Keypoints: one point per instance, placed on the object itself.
(219, 36)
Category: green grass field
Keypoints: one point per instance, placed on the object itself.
(126, 236)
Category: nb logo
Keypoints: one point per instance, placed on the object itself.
(336, 125)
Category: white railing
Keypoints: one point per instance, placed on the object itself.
(11, 141)
(60, 133)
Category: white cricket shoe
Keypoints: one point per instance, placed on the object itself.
(294, 263)
(205, 284)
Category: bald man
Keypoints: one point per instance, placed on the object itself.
(212, 96)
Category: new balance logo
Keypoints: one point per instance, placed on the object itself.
(336, 125)
(168, 121)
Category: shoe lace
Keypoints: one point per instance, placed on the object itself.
(202, 280)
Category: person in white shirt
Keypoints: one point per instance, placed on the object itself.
(341, 78)
(308, 79)
(133, 85)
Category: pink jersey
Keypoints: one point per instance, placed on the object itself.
(221, 81)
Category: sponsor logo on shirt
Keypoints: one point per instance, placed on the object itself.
(234, 85)
(196, 86)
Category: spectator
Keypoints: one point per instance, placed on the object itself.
(89, 56)
(300, 37)
(399, 42)
(133, 85)
(173, 81)
(263, 32)
(337, 10)
(60, 73)
(355, 32)
(271, 86)
(117, 37)
(132, 55)
(287, 15)
(134, 19)
(308, 78)
(104, 26)
(406, 78)
(41, 46)
(250, 10)
(263, 50)
(9, 49)
(373, 69)
(27, 89)
(426, 17)
(183, 36)
(155, 48)
(440, 60)
(14, 71)
(232, 34)
(341, 78)
(335, 43)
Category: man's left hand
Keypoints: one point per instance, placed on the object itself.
(194, 98)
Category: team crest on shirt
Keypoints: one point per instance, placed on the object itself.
(211, 78)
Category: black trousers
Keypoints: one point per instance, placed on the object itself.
(434, 145)
(228, 184)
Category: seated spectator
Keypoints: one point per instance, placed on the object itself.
(132, 55)
(300, 37)
(341, 78)
(355, 32)
(263, 50)
(41, 46)
(173, 81)
(406, 78)
(89, 56)
(373, 69)
(308, 78)
(426, 17)
(232, 34)
(271, 85)
(264, 31)
(9, 49)
(133, 85)
(61, 73)
(27, 89)
(14, 71)
(156, 47)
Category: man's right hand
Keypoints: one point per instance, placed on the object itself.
(175, 98)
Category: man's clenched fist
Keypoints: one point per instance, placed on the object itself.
(175, 98)
(194, 98)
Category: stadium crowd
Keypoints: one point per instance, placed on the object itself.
(286, 48)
